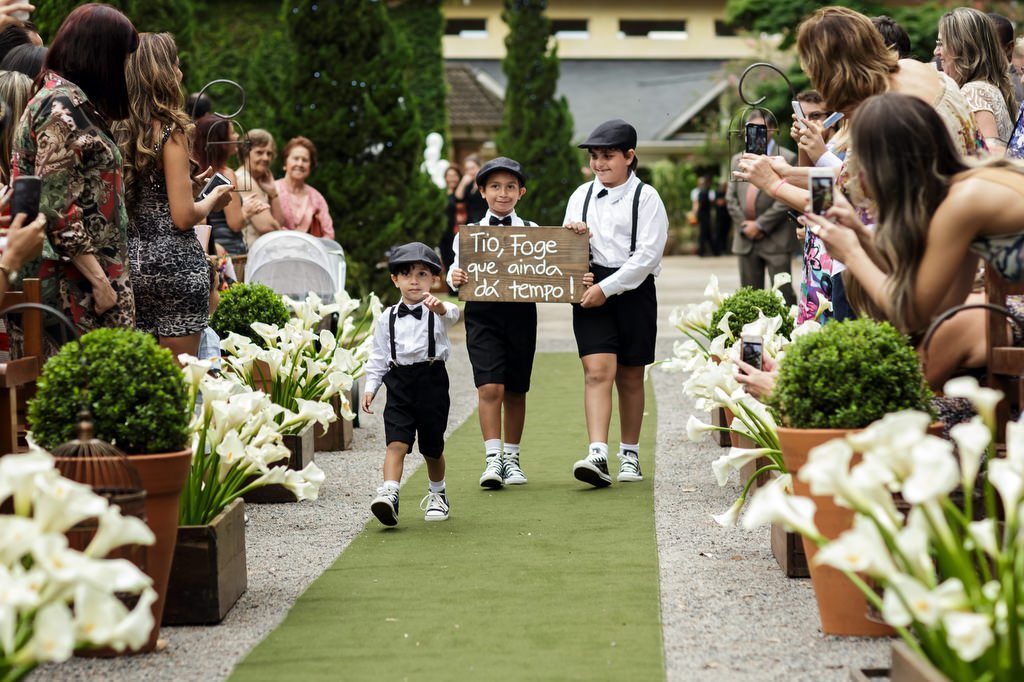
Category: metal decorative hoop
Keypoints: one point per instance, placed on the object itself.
(1011, 316)
(243, 137)
(737, 125)
(65, 324)
(763, 65)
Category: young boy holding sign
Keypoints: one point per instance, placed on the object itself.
(501, 337)
(616, 322)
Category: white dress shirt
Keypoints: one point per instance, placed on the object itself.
(610, 219)
(411, 342)
(486, 222)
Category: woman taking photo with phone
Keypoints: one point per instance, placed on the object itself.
(65, 139)
(169, 272)
(214, 141)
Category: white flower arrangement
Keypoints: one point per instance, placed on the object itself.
(952, 584)
(55, 599)
(236, 437)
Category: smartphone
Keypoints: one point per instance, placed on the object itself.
(821, 182)
(751, 349)
(835, 118)
(216, 181)
(25, 197)
(756, 138)
(799, 112)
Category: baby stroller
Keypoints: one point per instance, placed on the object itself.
(295, 263)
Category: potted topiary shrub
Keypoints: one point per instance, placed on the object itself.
(137, 397)
(838, 380)
(243, 304)
(747, 304)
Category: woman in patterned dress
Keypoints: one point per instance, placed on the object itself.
(64, 137)
(169, 271)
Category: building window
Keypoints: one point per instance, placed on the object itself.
(667, 29)
(572, 29)
(724, 29)
(466, 28)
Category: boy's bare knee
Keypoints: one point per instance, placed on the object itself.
(491, 393)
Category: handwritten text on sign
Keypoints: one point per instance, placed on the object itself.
(519, 264)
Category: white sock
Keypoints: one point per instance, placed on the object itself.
(632, 448)
(512, 448)
(392, 485)
(600, 447)
(492, 446)
(436, 486)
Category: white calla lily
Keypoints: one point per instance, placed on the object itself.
(116, 530)
(972, 439)
(935, 474)
(771, 504)
(729, 516)
(983, 399)
(735, 459)
(969, 634)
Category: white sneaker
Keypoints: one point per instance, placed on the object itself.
(494, 475)
(629, 467)
(513, 474)
(436, 506)
(385, 506)
(593, 469)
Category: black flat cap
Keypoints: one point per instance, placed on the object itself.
(615, 133)
(414, 252)
(502, 163)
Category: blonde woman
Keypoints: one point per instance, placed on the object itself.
(15, 92)
(168, 267)
(261, 204)
(970, 54)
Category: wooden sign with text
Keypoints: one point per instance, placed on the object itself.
(521, 264)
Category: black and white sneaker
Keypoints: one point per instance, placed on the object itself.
(513, 474)
(629, 467)
(593, 469)
(494, 474)
(385, 506)
(435, 506)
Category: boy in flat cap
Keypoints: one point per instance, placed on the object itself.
(410, 347)
(616, 322)
(501, 337)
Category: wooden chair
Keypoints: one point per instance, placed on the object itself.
(18, 376)
(1005, 362)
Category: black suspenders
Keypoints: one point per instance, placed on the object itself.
(636, 212)
(431, 344)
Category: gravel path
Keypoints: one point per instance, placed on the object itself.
(728, 611)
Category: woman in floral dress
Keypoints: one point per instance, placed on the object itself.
(65, 139)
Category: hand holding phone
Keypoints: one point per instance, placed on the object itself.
(756, 139)
(799, 113)
(25, 196)
(217, 180)
(832, 120)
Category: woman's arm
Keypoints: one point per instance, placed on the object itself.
(185, 211)
(759, 171)
(986, 122)
(322, 213)
(233, 210)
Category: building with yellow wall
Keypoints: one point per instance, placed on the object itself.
(657, 64)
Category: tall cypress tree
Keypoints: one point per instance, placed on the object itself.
(537, 130)
(422, 25)
(350, 96)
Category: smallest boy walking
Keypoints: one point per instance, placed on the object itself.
(410, 347)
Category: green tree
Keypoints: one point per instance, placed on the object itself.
(422, 25)
(537, 129)
(349, 94)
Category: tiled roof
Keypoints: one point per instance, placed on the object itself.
(653, 95)
(471, 104)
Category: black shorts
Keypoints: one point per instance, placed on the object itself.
(502, 340)
(626, 325)
(417, 402)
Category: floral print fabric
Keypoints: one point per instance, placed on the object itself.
(63, 139)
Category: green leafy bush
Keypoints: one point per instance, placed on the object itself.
(134, 389)
(848, 375)
(243, 304)
(744, 305)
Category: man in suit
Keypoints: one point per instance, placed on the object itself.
(765, 235)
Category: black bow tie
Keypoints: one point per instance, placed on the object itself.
(404, 310)
(506, 221)
(602, 193)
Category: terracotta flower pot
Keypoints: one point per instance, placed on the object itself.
(841, 606)
(163, 476)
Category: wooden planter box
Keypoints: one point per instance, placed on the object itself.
(788, 549)
(301, 448)
(718, 418)
(907, 666)
(208, 571)
(339, 433)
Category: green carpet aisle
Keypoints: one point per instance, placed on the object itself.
(548, 581)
